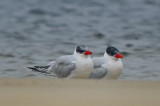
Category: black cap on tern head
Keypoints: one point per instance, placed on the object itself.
(112, 51)
(82, 49)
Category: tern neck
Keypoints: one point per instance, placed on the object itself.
(111, 58)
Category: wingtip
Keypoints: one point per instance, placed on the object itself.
(30, 67)
(41, 71)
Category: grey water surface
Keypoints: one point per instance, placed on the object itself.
(35, 32)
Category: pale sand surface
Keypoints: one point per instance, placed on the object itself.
(49, 92)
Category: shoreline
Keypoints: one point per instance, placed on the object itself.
(78, 92)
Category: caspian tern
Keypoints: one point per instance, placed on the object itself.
(109, 66)
(78, 65)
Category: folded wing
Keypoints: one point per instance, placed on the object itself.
(100, 69)
(63, 66)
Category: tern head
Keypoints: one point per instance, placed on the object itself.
(83, 50)
(113, 52)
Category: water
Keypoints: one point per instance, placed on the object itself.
(34, 32)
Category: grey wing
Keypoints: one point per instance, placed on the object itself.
(99, 71)
(63, 66)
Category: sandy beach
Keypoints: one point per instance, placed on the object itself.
(49, 92)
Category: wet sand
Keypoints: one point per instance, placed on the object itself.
(49, 92)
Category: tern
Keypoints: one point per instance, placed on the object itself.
(77, 65)
(108, 66)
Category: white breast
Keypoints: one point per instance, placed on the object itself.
(84, 68)
(114, 69)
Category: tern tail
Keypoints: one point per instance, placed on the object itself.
(42, 69)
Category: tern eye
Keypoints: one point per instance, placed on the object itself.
(79, 50)
(82, 51)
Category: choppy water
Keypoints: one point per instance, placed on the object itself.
(34, 32)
